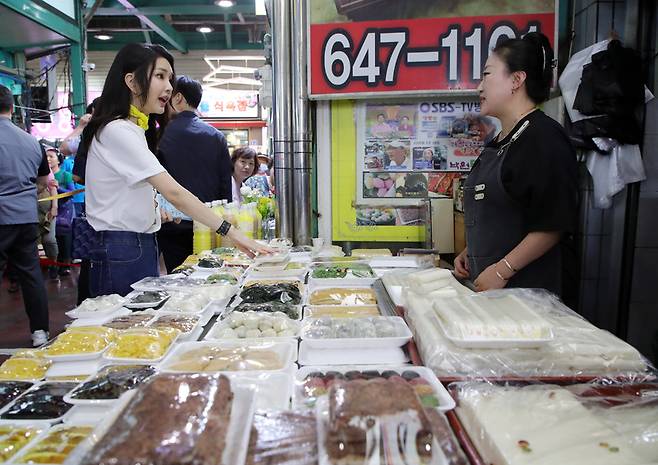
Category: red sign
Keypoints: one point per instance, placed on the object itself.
(413, 55)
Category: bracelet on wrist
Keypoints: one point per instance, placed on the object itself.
(507, 264)
(501, 276)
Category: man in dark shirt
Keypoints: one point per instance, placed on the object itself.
(196, 155)
(23, 164)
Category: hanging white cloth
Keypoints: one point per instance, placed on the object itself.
(611, 172)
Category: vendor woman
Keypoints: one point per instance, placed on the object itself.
(520, 197)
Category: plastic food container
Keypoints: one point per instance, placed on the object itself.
(354, 333)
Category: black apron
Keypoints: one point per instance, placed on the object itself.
(495, 225)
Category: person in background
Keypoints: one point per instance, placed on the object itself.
(71, 147)
(244, 167)
(398, 154)
(48, 210)
(261, 180)
(24, 167)
(65, 211)
(123, 174)
(196, 155)
(521, 194)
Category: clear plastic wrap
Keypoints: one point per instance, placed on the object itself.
(543, 424)
(13, 438)
(112, 381)
(342, 296)
(144, 343)
(80, 341)
(342, 271)
(9, 390)
(377, 331)
(379, 421)
(94, 305)
(578, 349)
(261, 292)
(209, 358)
(289, 310)
(185, 302)
(183, 323)
(341, 311)
(26, 365)
(145, 299)
(250, 325)
(176, 419)
(134, 320)
(42, 402)
(222, 277)
(283, 438)
(55, 446)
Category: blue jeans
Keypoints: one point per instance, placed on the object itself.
(119, 259)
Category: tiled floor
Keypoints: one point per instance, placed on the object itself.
(14, 327)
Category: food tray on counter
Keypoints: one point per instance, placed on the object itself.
(343, 333)
(237, 434)
(341, 311)
(332, 295)
(43, 403)
(230, 327)
(430, 391)
(96, 307)
(106, 386)
(294, 270)
(145, 299)
(57, 443)
(75, 341)
(230, 357)
(341, 274)
(273, 390)
(163, 337)
(292, 312)
(394, 356)
(14, 437)
(509, 321)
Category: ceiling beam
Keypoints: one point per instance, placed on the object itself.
(228, 30)
(92, 8)
(198, 10)
(43, 16)
(158, 25)
(146, 32)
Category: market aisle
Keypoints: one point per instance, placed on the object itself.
(14, 329)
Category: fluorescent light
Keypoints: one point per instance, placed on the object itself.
(204, 29)
(225, 3)
(103, 36)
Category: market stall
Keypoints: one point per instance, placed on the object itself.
(309, 356)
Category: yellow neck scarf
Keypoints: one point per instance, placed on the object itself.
(142, 119)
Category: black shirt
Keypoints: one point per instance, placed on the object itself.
(196, 155)
(540, 174)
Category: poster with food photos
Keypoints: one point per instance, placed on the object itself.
(413, 151)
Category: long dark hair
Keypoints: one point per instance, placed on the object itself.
(534, 56)
(114, 102)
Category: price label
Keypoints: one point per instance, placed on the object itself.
(423, 55)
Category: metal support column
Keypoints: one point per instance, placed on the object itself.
(78, 75)
(302, 138)
(282, 131)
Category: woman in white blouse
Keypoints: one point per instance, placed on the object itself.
(123, 174)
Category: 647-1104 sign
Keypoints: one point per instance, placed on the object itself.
(419, 56)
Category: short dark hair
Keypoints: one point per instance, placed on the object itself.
(6, 99)
(534, 56)
(191, 90)
(245, 152)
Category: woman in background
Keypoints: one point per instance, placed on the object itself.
(244, 164)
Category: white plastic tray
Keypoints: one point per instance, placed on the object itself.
(99, 321)
(44, 421)
(285, 351)
(312, 287)
(76, 357)
(75, 313)
(446, 402)
(94, 403)
(83, 367)
(220, 325)
(311, 356)
(41, 426)
(86, 414)
(272, 258)
(18, 458)
(143, 305)
(309, 309)
(272, 390)
(228, 310)
(403, 336)
(138, 361)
